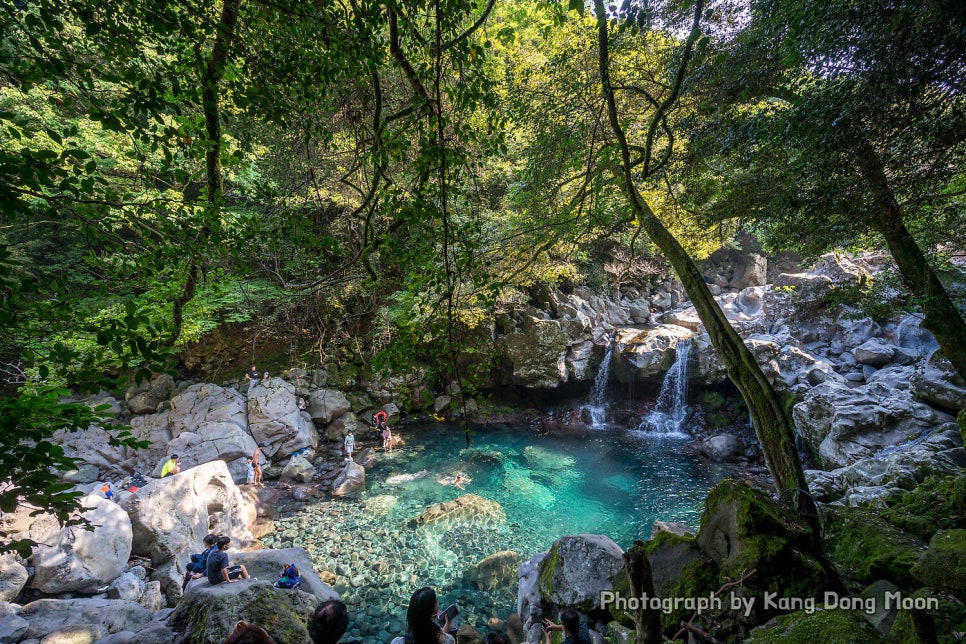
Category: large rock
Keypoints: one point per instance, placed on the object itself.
(325, 405)
(47, 616)
(275, 420)
(723, 448)
(351, 481)
(172, 515)
(874, 352)
(537, 356)
(79, 560)
(145, 399)
(578, 568)
(205, 423)
(497, 570)
(943, 565)
(13, 577)
(846, 424)
(339, 427)
(873, 479)
(937, 383)
(529, 604)
(298, 470)
(743, 529)
(647, 353)
(128, 586)
(206, 613)
(752, 273)
(268, 564)
(468, 508)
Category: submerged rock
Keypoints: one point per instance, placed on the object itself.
(468, 508)
(494, 571)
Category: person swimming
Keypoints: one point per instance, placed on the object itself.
(456, 481)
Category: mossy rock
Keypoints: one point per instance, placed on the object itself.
(941, 619)
(943, 565)
(577, 569)
(743, 529)
(937, 503)
(698, 579)
(206, 614)
(870, 548)
(823, 626)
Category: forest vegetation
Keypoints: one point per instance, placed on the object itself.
(372, 182)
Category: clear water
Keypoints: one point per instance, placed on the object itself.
(603, 482)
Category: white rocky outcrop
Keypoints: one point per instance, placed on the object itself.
(171, 516)
(276, 421)
(80, 560)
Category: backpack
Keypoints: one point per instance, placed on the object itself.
(290, 578)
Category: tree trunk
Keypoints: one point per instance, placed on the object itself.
(772, 423)
(647, 621)
(940, 315)
(214, 72)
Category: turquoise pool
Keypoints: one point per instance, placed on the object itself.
(612, 482)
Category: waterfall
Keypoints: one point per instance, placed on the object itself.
(672, 403)
(597, 406)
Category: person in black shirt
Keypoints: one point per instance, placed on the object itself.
(573, 630)
(218, 568)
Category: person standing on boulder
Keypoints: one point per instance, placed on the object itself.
(350, 443)
(218, 568)
(256, 467)
(252, 377)
(171, 466)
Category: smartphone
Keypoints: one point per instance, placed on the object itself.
(451, 611)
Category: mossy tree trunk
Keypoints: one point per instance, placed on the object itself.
(772, 423)
(647, 621)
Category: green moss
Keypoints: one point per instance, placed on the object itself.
(943, 565)
(825, 626)
(665, 538)
(869, 548)
(698, 579)
(939, 624)
(937, 503)
(547, 569)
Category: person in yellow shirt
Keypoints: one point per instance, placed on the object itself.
(171, 466)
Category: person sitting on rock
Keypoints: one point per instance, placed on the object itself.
(218, 568)
(245, 633)
(350, 443)
(171, 466)
(574, 632)
(290, 577)
(329, 622)
(265, 379)
(198, 566)
(421, 618)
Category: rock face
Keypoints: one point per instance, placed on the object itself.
(938, 384)
(268, 565)
(847, 424)
(943, 565)
(468, 508)
(578, 568)
(938, 453)
(205, 422)
(171, 516)
(207, 613)
(325, 405)
(647, 352)
(499, 569)
(298, 470)
(13, 577)
(350, 481)
(47, 616)
(275, 420)
(537, 353)
(78, 560)
(145, 399)
(528, 593)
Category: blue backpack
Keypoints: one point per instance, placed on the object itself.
(290, 578)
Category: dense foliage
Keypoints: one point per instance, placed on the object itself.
(380, 180)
